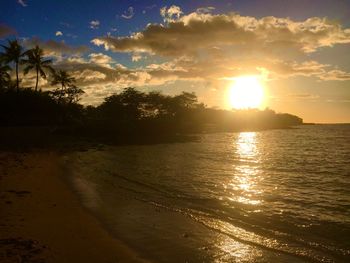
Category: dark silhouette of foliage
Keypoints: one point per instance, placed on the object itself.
(134, 104)
(13, 53)
(5, 77)
(124, 106)
(73, 94)
(27, 107)
(63, 78)
(68, 92)
(134, 113)
(35, 61)
(31, 108)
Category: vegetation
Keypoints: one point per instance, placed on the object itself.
(35, 61)
(137, 114)
(129, 116)
(13, 54)
(4, 75)
(68, 92)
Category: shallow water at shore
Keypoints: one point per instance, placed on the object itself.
(279, 195)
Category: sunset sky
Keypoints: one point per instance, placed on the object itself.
(299, 50)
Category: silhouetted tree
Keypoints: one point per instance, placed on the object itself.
(74, 93)
(126, 105)
(13, 53)
(35, 61)
(65, 80)
(186, 99)
(155, 104)
(4, 76)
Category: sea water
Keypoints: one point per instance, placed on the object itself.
(268, 196)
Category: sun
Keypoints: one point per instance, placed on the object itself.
(246, 92)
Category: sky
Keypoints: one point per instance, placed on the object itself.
(298, 49)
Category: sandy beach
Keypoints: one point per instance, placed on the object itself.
(43, 221)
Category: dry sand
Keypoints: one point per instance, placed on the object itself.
(41, 220)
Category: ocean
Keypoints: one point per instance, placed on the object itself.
(267, 196)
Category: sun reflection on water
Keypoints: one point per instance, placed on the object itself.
(234, 251)
(243, 188)
(245, 182)
(246, 144)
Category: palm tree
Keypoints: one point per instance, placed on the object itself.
(13, 53)
(4, 75)
(63, 78)
(36, 61)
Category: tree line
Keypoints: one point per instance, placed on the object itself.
(126, 116)
(33, 60)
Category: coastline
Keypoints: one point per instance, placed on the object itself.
(43, 221)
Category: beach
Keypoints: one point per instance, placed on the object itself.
(43, 221)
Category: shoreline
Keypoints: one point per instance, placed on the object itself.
(42, 220)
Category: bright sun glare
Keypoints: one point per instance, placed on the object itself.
(246, 92)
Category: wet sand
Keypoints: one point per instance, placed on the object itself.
(42, 220)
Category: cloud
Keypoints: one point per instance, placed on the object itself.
(215, 65)
(336, 75)
(22, 3)
(101, 59)
(309, 68)
(194, 33)
(204, 10)
(87, 71)
(59, 33)
(94, 24)
(203, 46)
(5, 31)
(88, 75)
(29, 80)
(100, 76)
(129, 13)
(105, 71)
(54, 48)
(304, 96)
(170, 14)
(136, 57)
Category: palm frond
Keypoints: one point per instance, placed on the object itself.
(46, 62)
(27, 69)
(42, 73)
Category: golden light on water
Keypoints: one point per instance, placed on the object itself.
(246, 145)
(246, 92)
(244, 188)
(245, 183)
(236, 251)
